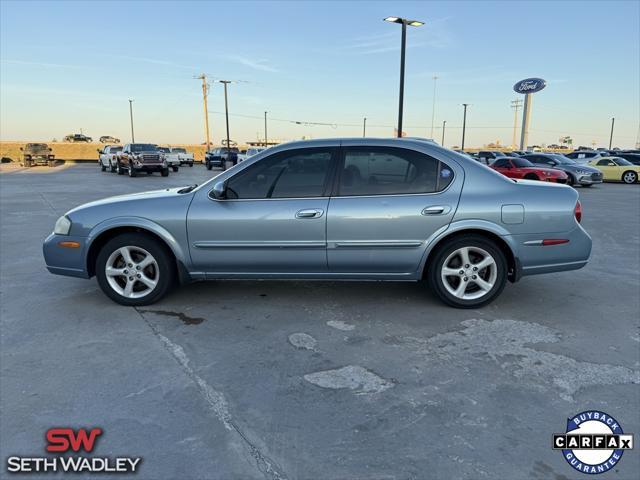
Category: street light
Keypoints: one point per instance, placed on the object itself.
(464, 123)
(133, 139)
(404, 22)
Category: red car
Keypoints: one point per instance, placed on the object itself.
(521, 168)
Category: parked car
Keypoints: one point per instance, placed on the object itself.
(629, 157)
(359, 209)
(186, 158)
(219, 156)
(583, 156)
(515, 167)
(37, 154)
(77, 137)
(172, 158)
(488, 156)
(616, 169)
(107, 158)
(141, 157)
(577, 174)
(250, 152)
(109, 139)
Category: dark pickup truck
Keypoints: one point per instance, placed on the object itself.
(219, 156)
(141, 157)
(37, 154)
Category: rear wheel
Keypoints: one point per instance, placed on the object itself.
(165, 172)
(190, 164)
(468, 271)
(119, 169)
(629, 177)
(175, 169)
(133, 269)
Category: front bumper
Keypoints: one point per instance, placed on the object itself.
(65, 261)
(589, 178)
(145, 167)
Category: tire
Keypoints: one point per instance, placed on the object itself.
(51, 163)
(208, 165)
(570, 180)
(111, 167)
(165, 172)
(27, 163)
(132, 171)
(102, 167)
(531, 176)
(479, 249)
(139, 246)
(629, 177)
(190, 164)
(119, 169)
(175, 169)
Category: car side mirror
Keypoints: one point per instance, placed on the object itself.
(219, 190)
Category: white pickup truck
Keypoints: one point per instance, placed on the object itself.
(171, 157)
(107, 159)
(250, 152)
(185, 157)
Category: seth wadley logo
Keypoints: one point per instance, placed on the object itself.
(63, 440)
(593, 442)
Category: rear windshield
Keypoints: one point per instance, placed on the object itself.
(143, 147)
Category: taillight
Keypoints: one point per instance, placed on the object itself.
(578, 211)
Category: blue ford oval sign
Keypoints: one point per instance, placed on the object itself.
(530, 85)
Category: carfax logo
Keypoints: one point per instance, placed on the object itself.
(593, 442)
(63, 440)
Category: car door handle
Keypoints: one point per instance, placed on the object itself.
(309, 213)
(436, 210)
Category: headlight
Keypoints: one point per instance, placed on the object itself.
(63, 225)
(583, 172)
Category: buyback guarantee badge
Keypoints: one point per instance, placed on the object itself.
(593, 442)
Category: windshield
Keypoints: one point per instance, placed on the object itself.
(562, 159)
(116, 149)
(143, 147)
(37, 146)
(164, 149)
(179, 150)
(521, 163)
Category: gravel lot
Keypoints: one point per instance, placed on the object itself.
(314, 380)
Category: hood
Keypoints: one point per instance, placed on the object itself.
(550, 171)
(583, 167)
(131, 197)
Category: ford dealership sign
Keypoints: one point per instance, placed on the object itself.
(530, 85)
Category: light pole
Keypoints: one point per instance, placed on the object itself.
(433, 108)
(613, 121)
(265, 129)
(444, 124)
(205, 92)
(133, 138)
(404, 22)
(226, 114)
(364, 127)
(464, 123)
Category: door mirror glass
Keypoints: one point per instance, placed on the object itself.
(219, 191)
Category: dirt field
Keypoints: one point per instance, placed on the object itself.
(78, 151)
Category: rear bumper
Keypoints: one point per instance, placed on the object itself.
(534, 258)
(65, 261)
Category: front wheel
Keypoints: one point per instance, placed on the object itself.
(208, 165)
(165, 172)
(190, 164)
(132, 269)
(570, 180)
(51, 163)
(175, 169)
(468, 271)
(132, 171)
(629, 177)
(102, 167)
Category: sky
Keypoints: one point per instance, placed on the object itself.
(72, 66)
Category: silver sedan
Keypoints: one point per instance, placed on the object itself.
(347, 209)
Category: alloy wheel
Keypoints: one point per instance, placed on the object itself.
(132, 272)
(469, 273)
(629, 177)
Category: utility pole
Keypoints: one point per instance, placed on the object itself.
(433, 108)
(133, 138)
(444, 124)
(515, 104)
(265, 129)
(613, 121)
(464, 123)
(364, 127)
(226, 113)
(205, 92)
